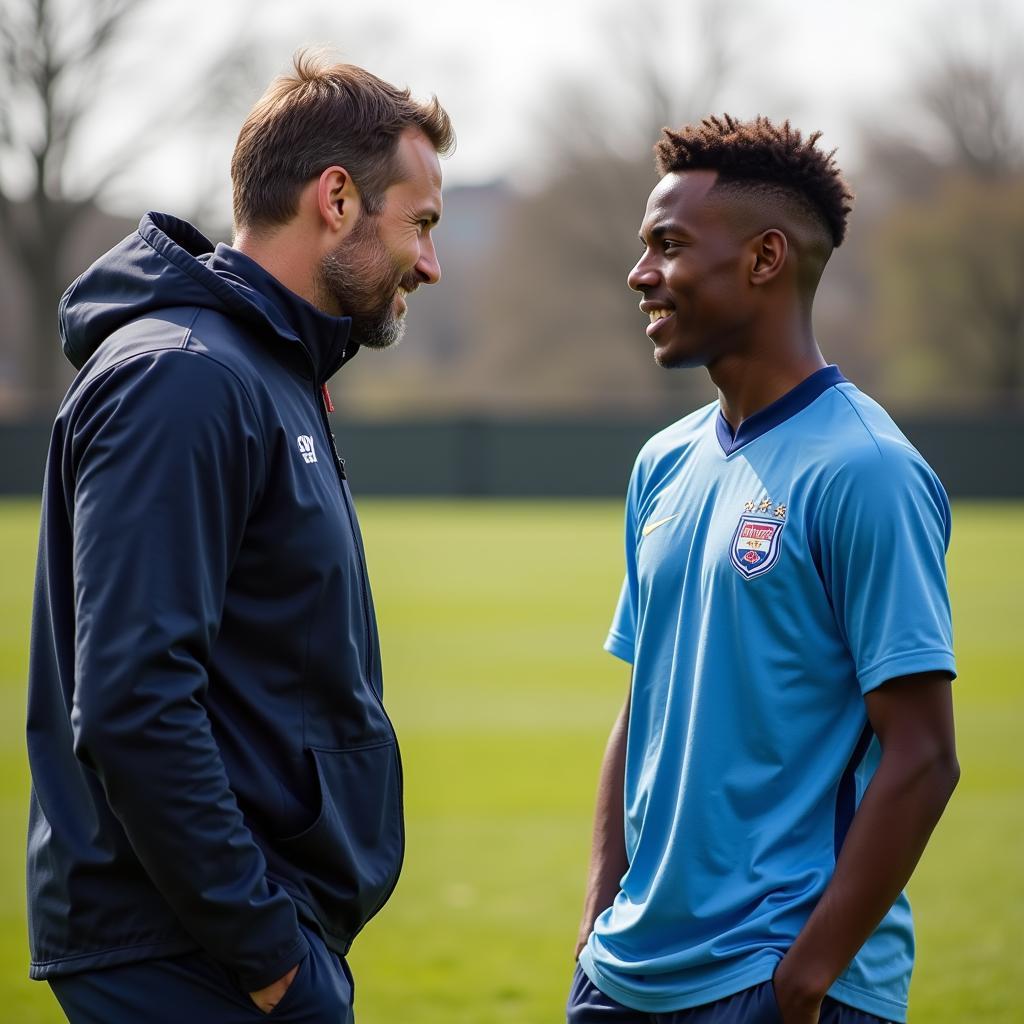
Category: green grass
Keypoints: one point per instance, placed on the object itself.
(492, 617)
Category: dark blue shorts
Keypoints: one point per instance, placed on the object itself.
(589, 1005)
(195, 989)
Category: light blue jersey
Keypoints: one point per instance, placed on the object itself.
(773, 578)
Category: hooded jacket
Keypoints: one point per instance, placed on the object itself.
(211, 760)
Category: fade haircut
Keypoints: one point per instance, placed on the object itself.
(320, 115)
(762, 156)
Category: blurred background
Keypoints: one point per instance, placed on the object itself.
(109, 108)
(527, 373)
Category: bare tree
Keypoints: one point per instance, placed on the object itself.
(48, 81)
(55, 61)
(563, 331)
(951, 308)
(965, 103)
(974, 91)
(947, 252)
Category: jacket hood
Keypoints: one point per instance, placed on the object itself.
(168, 263)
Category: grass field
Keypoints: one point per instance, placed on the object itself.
(492, 616)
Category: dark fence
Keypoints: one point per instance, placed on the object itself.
(976, 457)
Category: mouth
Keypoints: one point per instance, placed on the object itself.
(659, 317)
(408, 285)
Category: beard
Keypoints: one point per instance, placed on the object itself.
(360, 278)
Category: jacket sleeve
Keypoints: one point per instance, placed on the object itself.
(164, 463)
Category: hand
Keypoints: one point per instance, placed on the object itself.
(267, 998)
(583, 935)
(798, 1001)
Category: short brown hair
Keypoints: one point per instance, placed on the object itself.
(320, 115)
(760, 152)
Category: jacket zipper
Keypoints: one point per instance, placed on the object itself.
(323, 400)
(325, 405)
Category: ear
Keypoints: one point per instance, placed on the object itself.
(769, 251)
(338, 201)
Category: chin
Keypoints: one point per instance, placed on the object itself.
(379, 332)
(671, 358)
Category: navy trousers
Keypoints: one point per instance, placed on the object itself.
(589, 1005)
(195, 989)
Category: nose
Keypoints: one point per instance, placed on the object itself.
(643, 275)
(428, 266)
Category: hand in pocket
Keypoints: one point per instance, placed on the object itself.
(266, 999)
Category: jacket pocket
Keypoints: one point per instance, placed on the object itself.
(346, 864)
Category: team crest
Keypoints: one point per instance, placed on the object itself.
(756, 543)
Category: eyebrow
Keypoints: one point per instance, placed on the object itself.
(668, 227)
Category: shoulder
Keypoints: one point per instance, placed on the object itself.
(665, 448)
(175, 349)
(872, 477)
(184, 326)
(867, 445)
(149, 375)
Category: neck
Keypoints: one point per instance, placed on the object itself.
(280, 255)
(750, 379)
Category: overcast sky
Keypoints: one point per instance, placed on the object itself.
(497, 67)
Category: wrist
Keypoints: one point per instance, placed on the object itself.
(800, 982)
(586, 927)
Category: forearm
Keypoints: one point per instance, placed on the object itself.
(888, 834)
(165, 780)
(608, 847)
(166, 463)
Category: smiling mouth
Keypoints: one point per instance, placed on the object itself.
(659, 317)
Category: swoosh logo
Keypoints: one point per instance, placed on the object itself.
(651, 527)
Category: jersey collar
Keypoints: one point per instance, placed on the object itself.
(778, 412)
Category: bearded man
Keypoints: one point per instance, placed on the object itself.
(216, 804)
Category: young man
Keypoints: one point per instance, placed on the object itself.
(787, 744)
(216, 804)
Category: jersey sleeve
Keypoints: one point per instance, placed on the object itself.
(883, 530)
(621, 640)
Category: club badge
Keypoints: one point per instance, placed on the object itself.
(756, 543)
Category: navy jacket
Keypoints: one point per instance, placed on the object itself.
(211, 760)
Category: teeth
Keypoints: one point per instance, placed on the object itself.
(402, 293)
(659, 314)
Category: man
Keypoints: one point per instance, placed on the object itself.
(216, 805)
(787, 744)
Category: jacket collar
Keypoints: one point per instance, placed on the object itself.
(325, 339)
